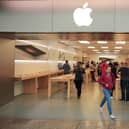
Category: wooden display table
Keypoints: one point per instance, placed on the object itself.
(87, 75)
(31, 82)
(117, 89)
(68, 78)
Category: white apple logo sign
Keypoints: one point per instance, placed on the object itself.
(81, 16)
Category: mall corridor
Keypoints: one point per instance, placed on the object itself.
(39, 112)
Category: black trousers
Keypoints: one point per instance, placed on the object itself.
(124, 89)
(78, 84)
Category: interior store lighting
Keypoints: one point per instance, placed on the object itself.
(104, 47)
(91, 47)
(84, 42)
(120, 42)
(118, 47)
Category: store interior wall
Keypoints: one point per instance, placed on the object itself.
(54, 53)
(6, 70)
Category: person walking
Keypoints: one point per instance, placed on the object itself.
(66, 67)
(78, 80)
(114, 69)
(124, 81)
(107, 80)
(92, 70)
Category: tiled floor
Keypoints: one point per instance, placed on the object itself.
(39, 112)
(61, 124)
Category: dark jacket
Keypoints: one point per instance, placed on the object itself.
(114, 71)
(66, 68)
(79, 73)
(124, 73)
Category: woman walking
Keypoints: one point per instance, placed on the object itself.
(79, 72)
(107, 80)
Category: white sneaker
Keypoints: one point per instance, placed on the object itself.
(100, 109)
(112, 97)
(112, 117)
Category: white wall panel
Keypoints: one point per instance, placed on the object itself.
(57, 16)
(102, 14)
(122, 16)
(26, 16)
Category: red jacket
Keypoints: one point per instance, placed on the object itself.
(103, 68)
(107, 81)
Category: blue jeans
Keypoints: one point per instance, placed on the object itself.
(107, 95)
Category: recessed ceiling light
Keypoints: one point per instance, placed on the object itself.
(118, 47)
(91, 47)
(95, 50)
(120, 42)
(104, 47)
(101, 42)
(84, 42)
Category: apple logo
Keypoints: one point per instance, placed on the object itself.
(81, 16)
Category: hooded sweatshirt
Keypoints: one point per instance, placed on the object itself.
(107, 80)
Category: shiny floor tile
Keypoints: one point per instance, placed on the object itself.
(58, 107)
(61, 124)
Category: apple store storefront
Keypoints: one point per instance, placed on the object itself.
(45, 46)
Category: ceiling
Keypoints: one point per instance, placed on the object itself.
(72, 40)
(74, 36)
